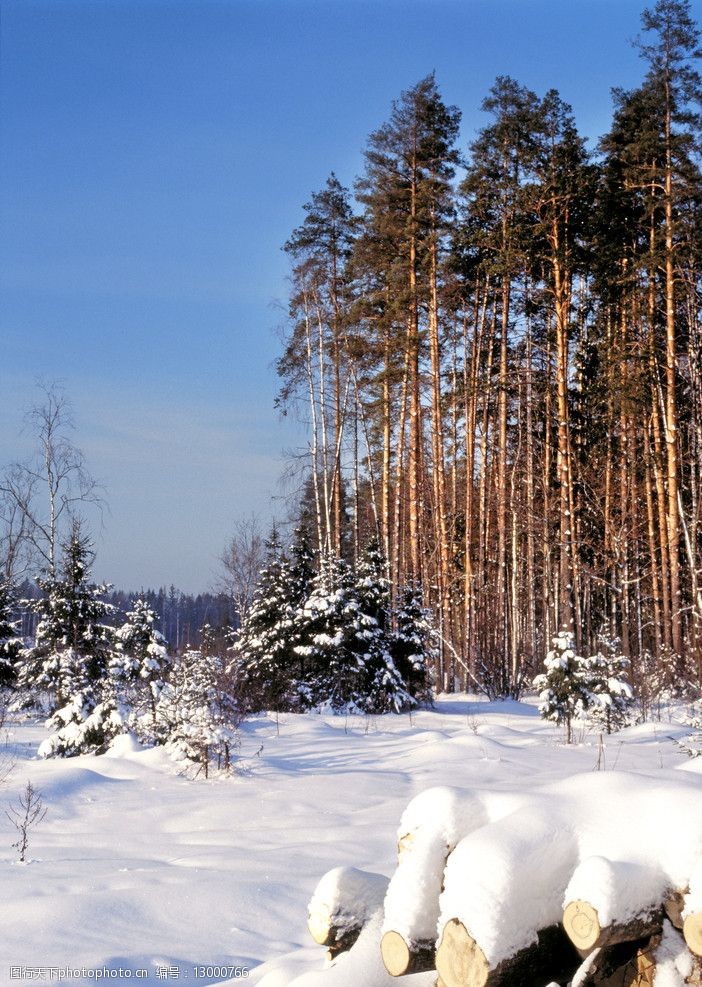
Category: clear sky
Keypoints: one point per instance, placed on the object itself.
(154, 156)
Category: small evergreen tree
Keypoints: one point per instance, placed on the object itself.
(326, 623)
(343, 640)
(70, 627)
(383, 687)
(197, 717)
(608, 684)
(564, 691)
(139, 664)
(71, 654)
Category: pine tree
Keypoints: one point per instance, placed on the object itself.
(670, 57)
(406, 192)
(197, 717)
(317, 352)
(140, 663)
(497, 219)
(412, 644)
(264, 658)
(71, 614)
(71, 655)
(11, 645)
(564, 691)
(608, 684)
(383, 688)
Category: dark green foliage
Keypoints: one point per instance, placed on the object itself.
(412, 644)
(72, 641)
(11, 645)
(324, 639)
(265, 659)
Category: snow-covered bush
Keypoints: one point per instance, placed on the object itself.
(139, 665)
(564, 688)
(88, 722)
(672, 679)
(196, 716)
(70, 658)
(612, 697)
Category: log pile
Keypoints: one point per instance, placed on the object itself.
(517, 901)
(430, 828)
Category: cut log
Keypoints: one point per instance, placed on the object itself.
(401, 957)
(431, 826)
(342, 903)
(339, 934)
(584, 929)
(460, 962)
(692, 930)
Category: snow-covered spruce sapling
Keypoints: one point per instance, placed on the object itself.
(612, 696)
(71, 655)
(563, 689)
(25, 815)
(266, 666)
(385, 689)
(139, 665)
(71, 616)
(348, 665)
(197, 716)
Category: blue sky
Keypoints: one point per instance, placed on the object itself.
(154, 156)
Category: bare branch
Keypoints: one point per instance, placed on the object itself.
(242, 561)
(40, 497)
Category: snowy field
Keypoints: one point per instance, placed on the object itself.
(136, 868)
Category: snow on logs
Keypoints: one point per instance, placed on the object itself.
(609, 902)
(431, 826)
(593, 881)
(342, 903)
(502, 918)
(502, 902)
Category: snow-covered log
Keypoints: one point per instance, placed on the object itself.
(504, 883)
(461, 962)
(431, 826)
(608, 902)
(401, 957)
(692, 930)
(342, 903)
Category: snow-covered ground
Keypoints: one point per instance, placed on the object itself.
(136, 868)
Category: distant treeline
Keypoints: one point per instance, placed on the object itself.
(180, 615)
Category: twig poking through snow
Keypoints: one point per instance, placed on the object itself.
(30, 811)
